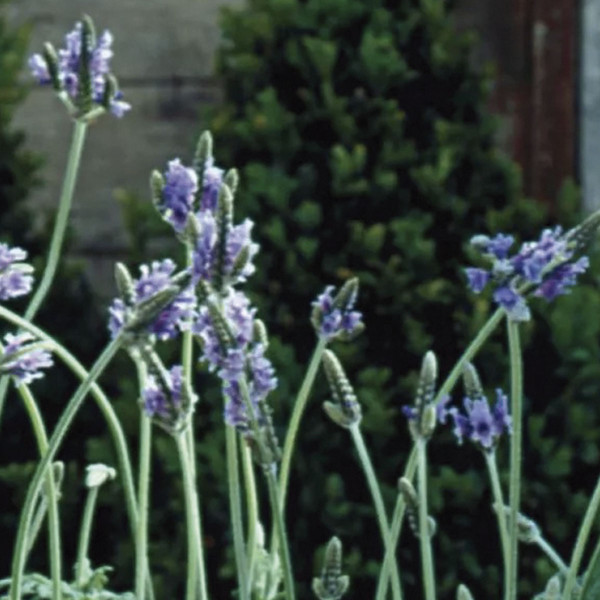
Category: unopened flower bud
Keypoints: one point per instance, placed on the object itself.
(96, 474)
(259, 333)
(552, 591)
(345, 410)
(332, 585)
(124, 282)
(472, 383)
(51, 59)
(232, 180)
(463, 593)
(224, 223)
(204, 152)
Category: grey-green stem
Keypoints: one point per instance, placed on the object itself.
(516, 441)
(380, 511)
(424, 530)
(85, 533)
(196, 590)
(53, 515)
(490, 460)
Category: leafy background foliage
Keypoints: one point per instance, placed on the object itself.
(365, 147)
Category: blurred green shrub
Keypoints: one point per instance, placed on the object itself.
(366, 147)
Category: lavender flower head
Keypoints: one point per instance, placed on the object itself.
(67, 72)
(333, 316)
(546, 266)
(229, 348)
(154, 280)
(22, 357)
(212, 180)
(236, 265)
(15, 275)
(178, 193)
(480, 423)
(167, 401)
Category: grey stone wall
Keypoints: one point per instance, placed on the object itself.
(164, 59)
(589, 109)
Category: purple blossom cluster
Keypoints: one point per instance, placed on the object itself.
(546, 264)
(481, 423)
(22, 357)
(332, 320)
(155, 279)
(15, 275)
(178, 201)
(441, 410)
(166, 401)
(69, 69)
(234, 354)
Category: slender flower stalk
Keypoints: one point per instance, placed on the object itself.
(252, 510)
(51, 492)
(553, 555)
(297, 413)
(85, 533)
(424, 528)
(187, 360)
(585, 530)
(72, 408)
(196, 587)
(382, 519)
(141, 545)
(62, 219)
(490, 461)
(395, 530)
(58, 235)
(274, 493)
(516, 441)
(235, 506)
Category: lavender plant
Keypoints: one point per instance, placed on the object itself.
(201, 307)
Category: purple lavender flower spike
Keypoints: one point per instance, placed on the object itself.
(334, 318)
(166, 400)
(212, 180)
(181, 184)
(64, 67)
(21, 363)
(156, 278)
(481, 424)
(15, 275)
(546, 263)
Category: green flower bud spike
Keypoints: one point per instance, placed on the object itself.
(332, 585)
(581, 236)
(124, 282)
(157, 184)
(259, 333)
(345, 409)
(232, 180)
(111, 88)
(224, 223)
(85, 90)
(471, 381)
(204, 152)
(422, 424)
(51, 58)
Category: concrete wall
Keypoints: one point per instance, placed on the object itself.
(163, 58)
